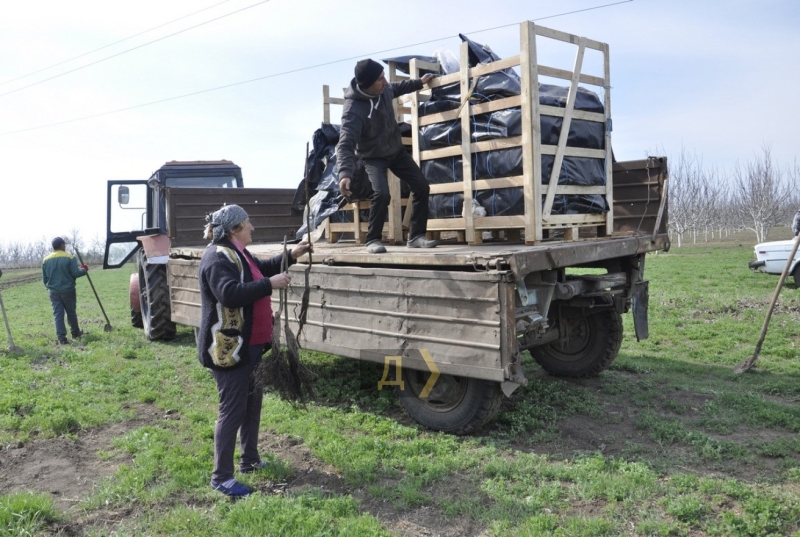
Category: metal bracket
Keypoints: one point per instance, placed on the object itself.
(522, 291)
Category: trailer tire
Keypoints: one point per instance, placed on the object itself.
(154, 301)
(593, 344)
(455, 405)
(796, 275)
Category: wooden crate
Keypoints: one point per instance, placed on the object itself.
(537, 223)
(395, 231)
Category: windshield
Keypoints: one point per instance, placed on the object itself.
(224, 181)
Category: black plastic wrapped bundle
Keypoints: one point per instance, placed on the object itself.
(508, 122)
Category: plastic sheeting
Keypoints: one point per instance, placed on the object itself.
(323, 177)
(508, 122)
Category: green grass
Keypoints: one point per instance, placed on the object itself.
(668, 441)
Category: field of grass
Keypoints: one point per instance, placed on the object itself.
(668, 441)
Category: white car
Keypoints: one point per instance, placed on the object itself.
(771, 258)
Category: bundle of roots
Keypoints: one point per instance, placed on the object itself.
(281, 369)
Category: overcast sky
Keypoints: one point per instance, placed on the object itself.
(714, 77)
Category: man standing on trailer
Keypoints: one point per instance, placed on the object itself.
(369, 126)
(59, 272)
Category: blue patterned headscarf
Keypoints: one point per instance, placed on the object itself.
(220, 222)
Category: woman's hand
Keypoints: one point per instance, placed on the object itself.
(301, 249)
(280, 281)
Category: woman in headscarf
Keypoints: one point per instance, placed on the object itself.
(235, 330)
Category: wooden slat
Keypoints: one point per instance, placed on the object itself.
(466, 156)
(575, 151)
(556, 111)
(558, 160)
(531, 133)
(544, 70)
(478, 147)
(444, 80)
(446, 223)
(395, 230)
(609, 155)
(568, 38)
(580, 190)
(480, 184)
(326, 104)
(347, 227)
(493, 67)
(563, 220)
(500, 222)
(475, 109)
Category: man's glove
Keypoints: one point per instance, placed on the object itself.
(85, 267)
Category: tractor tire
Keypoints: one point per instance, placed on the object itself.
(154, 301)
(455, 405)
(593, 342)
(134, 299)
(136, 319)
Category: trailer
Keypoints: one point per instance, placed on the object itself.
(449, 324)
(464, 313)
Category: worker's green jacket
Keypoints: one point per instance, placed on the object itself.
(60, 270)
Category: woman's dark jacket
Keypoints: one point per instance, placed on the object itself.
(228, 293)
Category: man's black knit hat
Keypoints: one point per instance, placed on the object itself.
(57, 243)
(367, 72)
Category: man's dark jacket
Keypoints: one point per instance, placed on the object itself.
(368, 123)
(226, 284)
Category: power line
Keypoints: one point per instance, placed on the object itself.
(134, 48)
(112, 44)
(299, 69)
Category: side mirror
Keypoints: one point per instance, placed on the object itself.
(124, 195)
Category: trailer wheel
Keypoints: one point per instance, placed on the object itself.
(796, 275)
(154, 301)
(592, 344)
(455, 405)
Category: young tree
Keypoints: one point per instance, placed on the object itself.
(760, 194)
(74, 239)
(688, 189)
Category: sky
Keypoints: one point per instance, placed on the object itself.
(714, 78)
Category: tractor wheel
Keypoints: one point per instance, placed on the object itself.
(154, 301)
(592, 343)
(134, 298)
(455, 405)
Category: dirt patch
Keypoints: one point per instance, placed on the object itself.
(15, 280)
(65, 468)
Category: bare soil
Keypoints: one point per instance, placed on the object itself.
(69, 469)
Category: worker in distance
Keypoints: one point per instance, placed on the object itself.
(369, 126)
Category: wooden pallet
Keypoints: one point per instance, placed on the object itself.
(537, 223)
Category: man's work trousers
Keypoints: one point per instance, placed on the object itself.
(404, 167)
(64, 303)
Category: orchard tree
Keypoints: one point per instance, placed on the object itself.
(760, 194)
